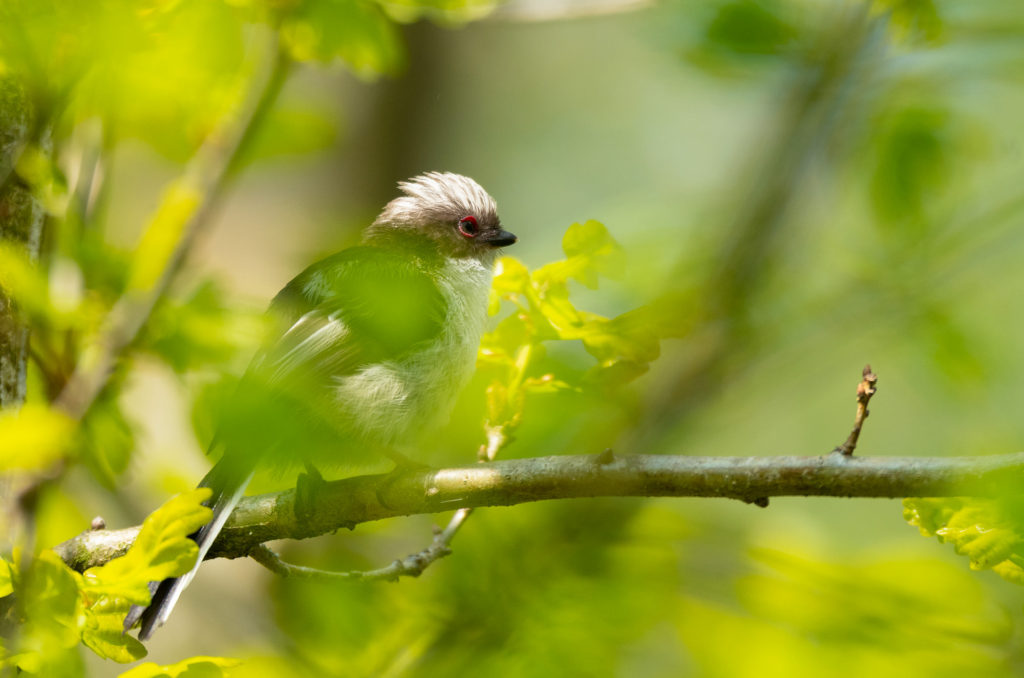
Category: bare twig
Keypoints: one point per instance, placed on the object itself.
(347, 502)
(410, 566)
(865, 389)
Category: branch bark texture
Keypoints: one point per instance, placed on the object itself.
(21, 225)
(348, 502)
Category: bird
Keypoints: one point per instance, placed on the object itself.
(369, 350)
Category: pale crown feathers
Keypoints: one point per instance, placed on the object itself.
(451, 211)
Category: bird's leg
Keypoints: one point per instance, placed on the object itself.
(307, 486)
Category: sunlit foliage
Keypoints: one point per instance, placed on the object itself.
(783, 190)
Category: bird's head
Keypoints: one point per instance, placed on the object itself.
(447, 212)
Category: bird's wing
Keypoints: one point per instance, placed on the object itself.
(364, 305)
(360, 307)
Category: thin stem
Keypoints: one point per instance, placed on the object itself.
(865, 389)
(410, 566)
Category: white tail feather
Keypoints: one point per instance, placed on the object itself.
(166, 596)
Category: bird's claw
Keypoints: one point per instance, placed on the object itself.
(307, 486)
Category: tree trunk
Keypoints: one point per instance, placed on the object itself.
(21, 225)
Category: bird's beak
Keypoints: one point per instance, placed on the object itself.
(497, 238)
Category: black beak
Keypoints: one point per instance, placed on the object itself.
(497, 238)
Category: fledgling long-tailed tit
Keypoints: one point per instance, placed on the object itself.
(375, 344)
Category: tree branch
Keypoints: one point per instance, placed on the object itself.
(21, 225)
(348, 502)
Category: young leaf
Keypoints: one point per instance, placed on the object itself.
(157, 245)
(590, 252)
(22, 280)
(913, 21)
(990, 532)
(33, 437)
(592, 243)
(510, 276)
(207, 667)
(103, 631)
(105, 441)
(53, 619)
(203, 329)
(161, 550)
(356, 31)
(6, 578)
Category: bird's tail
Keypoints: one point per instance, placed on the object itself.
(227, 492)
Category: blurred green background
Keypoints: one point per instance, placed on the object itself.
(801, 187)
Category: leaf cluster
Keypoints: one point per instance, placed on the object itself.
(58, 607)
(989, 532)
(622, 347)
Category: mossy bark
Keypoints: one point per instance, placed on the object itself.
(21, 221)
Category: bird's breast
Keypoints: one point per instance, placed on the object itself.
(399, 400)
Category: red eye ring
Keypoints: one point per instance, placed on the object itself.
(468, 226)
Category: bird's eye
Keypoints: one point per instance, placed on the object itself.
(468, 226)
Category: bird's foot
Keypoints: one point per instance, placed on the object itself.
(308, 485)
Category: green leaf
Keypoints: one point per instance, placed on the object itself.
(444, 12)
(615, 374)
(546, 383)
(990, 532)
(733, 38)
(203, 329)
(159, 241)
(33, 437)
(750, 28)
(913, 149)
(209, 406)
(563, 321)
(40, 172)
(913, 20)
(620, 338)
(98, 60)
(497, 402)
(194, 667)
(593, 240)
(356, 31)
(105, 441)
(290, 132)
(510, 276)
(591, 251)
(103, 631)
(53, 618)
(6, 578)
(22, 280)
(500, 345)
(161, 550)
